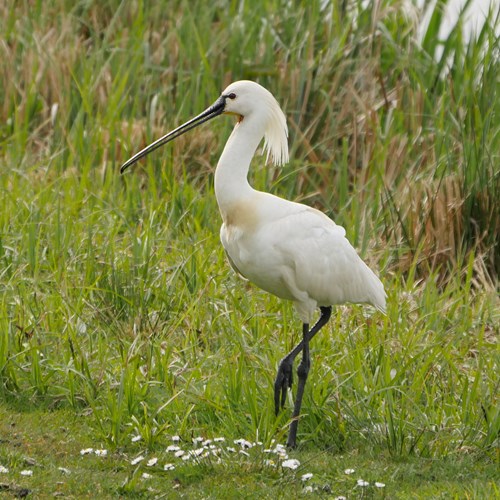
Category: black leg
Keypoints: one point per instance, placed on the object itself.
(284, 378)
(303, 372)
(283, 381)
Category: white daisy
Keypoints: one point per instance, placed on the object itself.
(243, 443)
(135, 461)
(291, 463)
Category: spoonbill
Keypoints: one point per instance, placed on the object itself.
(288, 249)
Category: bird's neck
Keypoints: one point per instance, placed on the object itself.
(231, 183)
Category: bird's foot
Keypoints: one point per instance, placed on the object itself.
(283, 381)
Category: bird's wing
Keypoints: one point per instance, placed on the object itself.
(321, 261)
(233, 265)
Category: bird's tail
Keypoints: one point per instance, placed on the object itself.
(376, 292)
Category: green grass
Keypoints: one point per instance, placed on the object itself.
(119, 315)
(49, 443)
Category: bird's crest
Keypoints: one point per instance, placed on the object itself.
(276, 134)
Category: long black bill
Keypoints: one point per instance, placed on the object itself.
(215, 110)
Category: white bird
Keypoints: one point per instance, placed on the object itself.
(288, 249)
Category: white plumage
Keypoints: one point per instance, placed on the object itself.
(288, 249)
(285, 248)
(298, 254)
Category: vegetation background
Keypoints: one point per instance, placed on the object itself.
(119, 317)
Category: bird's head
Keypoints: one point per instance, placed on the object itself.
(248, 100)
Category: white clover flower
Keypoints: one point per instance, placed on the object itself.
(362, 483)
(292, 463)
(349, 471)
(26, 473)
(152, 461)
(380, 485)
(3, 470)
(101, 453)
(173, 447)
(86, 451)
(169, 467)
(136, 460)
(306, 477)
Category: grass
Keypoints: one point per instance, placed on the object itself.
(50, 444)
(119, 316)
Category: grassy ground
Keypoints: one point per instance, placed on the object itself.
(121, 324)
(49, 443)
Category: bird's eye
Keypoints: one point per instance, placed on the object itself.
(232, 95)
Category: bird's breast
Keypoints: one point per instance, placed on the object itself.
(253, 259)
(240, 222)
(241, 217)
